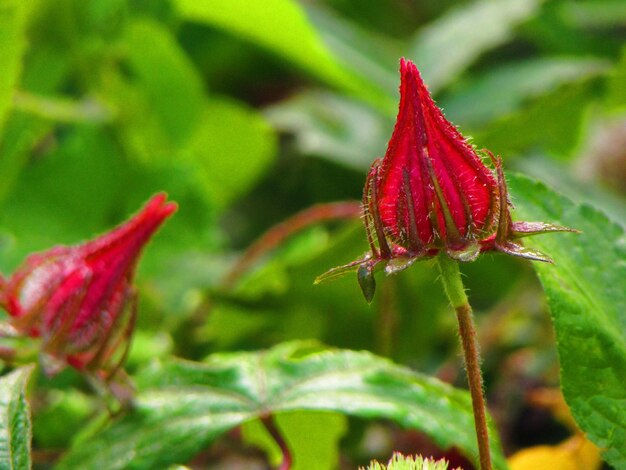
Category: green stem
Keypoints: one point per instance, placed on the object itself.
(453, 285)
(61, 109)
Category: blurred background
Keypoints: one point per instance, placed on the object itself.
(247, 112)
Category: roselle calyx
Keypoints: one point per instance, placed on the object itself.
(432, 192)
(79, 300)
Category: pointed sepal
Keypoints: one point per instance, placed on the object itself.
(526, 229)
(340, 271)
(516, 249)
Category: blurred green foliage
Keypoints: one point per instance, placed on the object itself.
(246, 112)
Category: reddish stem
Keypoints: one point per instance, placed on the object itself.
(7, 354)
(279, 233)
(453, 285)
(474, 378)
(270, 425)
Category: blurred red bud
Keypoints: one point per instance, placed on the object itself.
(80, 300)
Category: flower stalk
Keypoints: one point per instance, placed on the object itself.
(453, 286)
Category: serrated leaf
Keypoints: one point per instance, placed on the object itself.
(13, 20)
(588, 307)
(183, 406)
(15, 433)
(281, 26)
(451, 43)
(559, 178)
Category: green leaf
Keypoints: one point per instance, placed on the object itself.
(281, 26)
(616, 91)
(312, 437)
(158, 98)
(63, 410)
(137, 123)
(588, 307)
(552, 123)
(69, 212)
(165, 119)
(22, 133)
(451, 43)
(594, 14)
(328, 125)
(183, 406)
(166, 76)
(231, 148)
(44, 70)
(228, 149)
(559, 177)
(13, 20)
(369, 54)
(503, 89)
(553, 31)
(15, 431)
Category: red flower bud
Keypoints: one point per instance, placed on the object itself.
(80, 299)
(432, 192)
